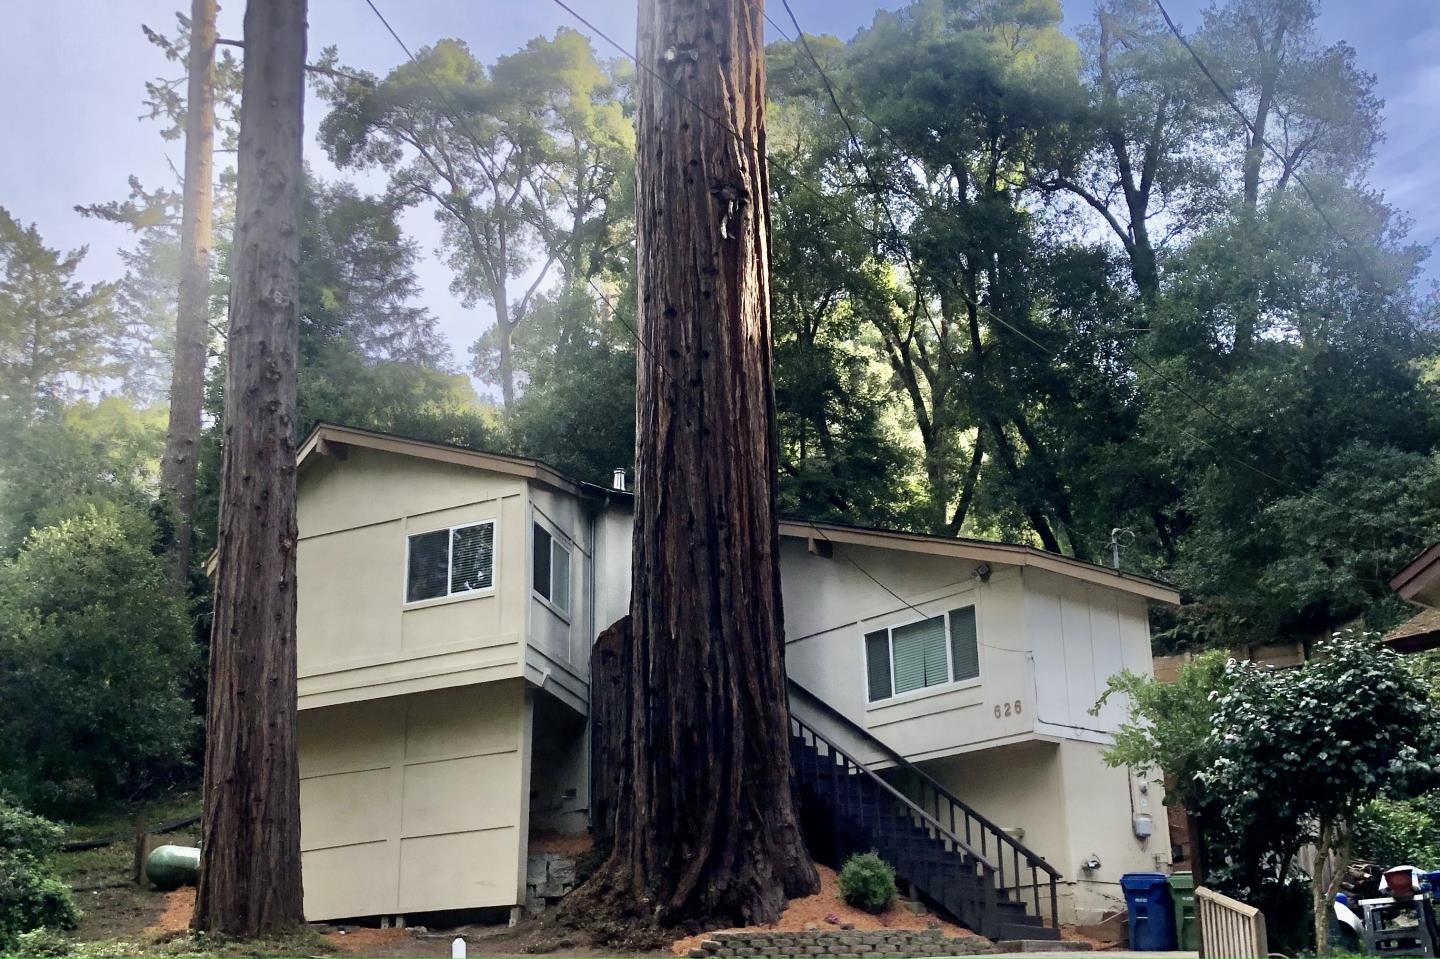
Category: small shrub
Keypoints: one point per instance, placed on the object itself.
(43, 942)
(32, 897)
(867, 882)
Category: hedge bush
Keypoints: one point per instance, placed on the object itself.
(31, 895)
(867, 882)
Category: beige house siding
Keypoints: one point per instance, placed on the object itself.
(359, 638)
(415, 803)
(831, 602)
(1082, 634)
(558, 651)
(419, 721)
(1071, 806)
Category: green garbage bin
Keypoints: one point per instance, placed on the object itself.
(1182, 891)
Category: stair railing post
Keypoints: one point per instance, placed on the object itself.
(991, 908)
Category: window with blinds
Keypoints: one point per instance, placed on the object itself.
(445, 562)
(551, 569)
(931, 652)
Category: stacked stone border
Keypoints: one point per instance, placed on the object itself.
(841, 944)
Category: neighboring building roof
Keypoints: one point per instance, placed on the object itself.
(330, 439)
(1419, 582)
(1417, 634)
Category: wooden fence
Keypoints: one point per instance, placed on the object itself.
(1229, 929)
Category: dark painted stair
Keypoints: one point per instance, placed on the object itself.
(969, 869)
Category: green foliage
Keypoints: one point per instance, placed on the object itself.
(100, 455)
(867, 882)
(1396, 831)
(53, 328)
(1269, 760)
(94, 661)
(1168, 725)
(32, 897)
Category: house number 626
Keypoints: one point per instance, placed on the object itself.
(1008, 709)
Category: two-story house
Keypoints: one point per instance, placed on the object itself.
(448, 603)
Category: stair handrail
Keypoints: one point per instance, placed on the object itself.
(910, 805)
(1033, 858)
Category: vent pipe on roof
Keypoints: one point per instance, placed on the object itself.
(619, 480)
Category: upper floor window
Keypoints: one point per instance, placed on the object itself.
(552, 569)
(444, 562)
(931, 652)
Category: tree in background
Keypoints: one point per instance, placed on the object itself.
(250, 827)
(496, 152)
(192, 308)
(1140, 151)
(53, 328)
(841, 457)
(89, 455)
(95, 663)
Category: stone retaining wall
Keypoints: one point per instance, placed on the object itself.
(841, 944)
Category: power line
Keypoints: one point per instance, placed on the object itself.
(458, 118)
(979, 307)
(641, 341)
(1255, 135)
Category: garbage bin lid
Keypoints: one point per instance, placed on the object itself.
(1143, 880)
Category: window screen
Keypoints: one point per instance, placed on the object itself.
(542, 561)
(429, 565)
(448, 561)
(877, 664)
(964, 645)
(560, 577)
(917, 655)
(472, 562)
(920, 658)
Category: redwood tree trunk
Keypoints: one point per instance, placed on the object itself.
(187, 376)
(250, 859)
(705, 826)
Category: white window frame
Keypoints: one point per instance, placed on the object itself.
(450, 595)
(561, 541)
(951, 684)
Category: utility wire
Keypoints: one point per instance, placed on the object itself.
(645, 345)
(1254, 135)
(459, 119)
(980, 307)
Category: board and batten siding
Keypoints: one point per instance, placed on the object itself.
(1047, 645)
(358, 637)
(832, 602)
(415, 803)
(1082, 634)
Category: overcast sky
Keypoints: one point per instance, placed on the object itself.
(72, 75)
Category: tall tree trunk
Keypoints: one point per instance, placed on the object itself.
(187, 376)
(706, 827)
(250, 831)
(1323, 885)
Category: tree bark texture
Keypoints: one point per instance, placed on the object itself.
(250, 861)
(192, 315)
(705, 825)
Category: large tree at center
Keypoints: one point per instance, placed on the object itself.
(704, 821)
(250, 831)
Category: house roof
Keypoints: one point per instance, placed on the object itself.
(1419, 582)
(329, 439)
(1417, 634)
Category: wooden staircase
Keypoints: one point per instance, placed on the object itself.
(958, 868)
